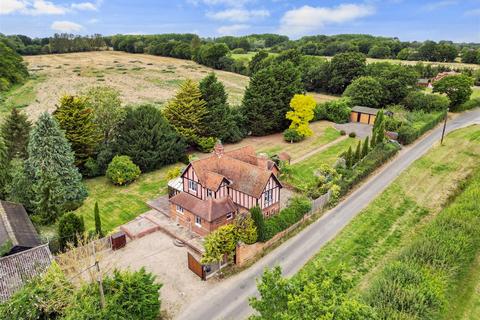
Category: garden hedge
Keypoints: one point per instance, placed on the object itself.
(411, 131)
(295, 211)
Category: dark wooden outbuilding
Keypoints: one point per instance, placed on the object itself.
(363, 114)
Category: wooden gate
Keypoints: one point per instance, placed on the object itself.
(195, 266)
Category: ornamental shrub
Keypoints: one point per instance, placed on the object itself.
(291, 135)
(352, 134)
(122, 170)
(337, 111)
(70, 228)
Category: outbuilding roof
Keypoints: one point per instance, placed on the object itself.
(16, 227)
(17, 269)
(365, 110)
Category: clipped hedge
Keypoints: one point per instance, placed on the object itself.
(470, 104)
(295, 211)
(422, 122)
(420, 281)
(375, 158)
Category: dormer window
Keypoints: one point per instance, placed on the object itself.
(192, 185)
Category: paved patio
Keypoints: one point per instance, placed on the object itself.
(160, 204)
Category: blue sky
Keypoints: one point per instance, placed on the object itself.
(455, 20)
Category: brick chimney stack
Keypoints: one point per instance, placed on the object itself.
(218, 149)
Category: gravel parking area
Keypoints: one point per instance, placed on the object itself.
(361, 130)
(159, 255)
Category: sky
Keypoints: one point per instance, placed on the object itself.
(409, 20)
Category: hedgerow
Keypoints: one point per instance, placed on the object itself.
(416, 285)
(297, 208)
(417, 124)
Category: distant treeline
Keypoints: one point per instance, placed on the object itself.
(184, 46)
(59, 43)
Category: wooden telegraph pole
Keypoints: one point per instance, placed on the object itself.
(444, 126)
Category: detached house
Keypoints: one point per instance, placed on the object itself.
(213, 190)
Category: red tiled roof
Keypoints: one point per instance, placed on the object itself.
(209, 209)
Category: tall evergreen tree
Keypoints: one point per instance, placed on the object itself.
(19, 186)
(366, 147)
(267, 98)
(358, 152)
(349, 158)
(75, 117)
(217, 115)
(15, 131)
(148, 139)
(51, 168)
(98, 221)
(186, 112)
(257, 216)
(4, 170)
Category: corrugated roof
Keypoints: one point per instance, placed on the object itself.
(19, 268)
(15, 225)
(176, 183)
(366, 110)
(209, 209)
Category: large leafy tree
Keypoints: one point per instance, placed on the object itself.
(148, 139)
(320, 294)
(186, 112)
(220, 121)
(301, 114)
(344, 68)
(458, 88)
(75, 117)
(12, 69)
(267, 98)
(55, 180)
(396, 80)
(107, 109)
(365, 91)
(15, 131)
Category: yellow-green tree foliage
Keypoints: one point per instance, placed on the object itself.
(186, 112)
(219, 243)
(301, 114)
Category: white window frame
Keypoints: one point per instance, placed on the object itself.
(230, 216)
(197, 223)
(179, 209)
(192, 185)
(268, 197)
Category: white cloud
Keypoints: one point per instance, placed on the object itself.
(238, 15)
(66, 26)
(228, 3)
(93, 21)
(10, 6)
(39, 7)
(307, 18)
(232, 29)
(85, 6)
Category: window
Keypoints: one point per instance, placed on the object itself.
(192, 185)
(179, 209)
(268, 197)
(229, 215)
(209, 193)
(198, 221)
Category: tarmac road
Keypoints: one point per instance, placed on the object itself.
(229, 300)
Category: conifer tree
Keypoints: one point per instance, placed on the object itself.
(216, 117)
(148, 139)
(257, 216)
(349, 157)
(15, 131)
(267, 98)
(380, 133)
(186, 112)
(98, 221)
(4, 164)
(75, 117)
(366, 147)
(358, 152)
(51, 168)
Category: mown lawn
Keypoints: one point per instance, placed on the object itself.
(402, 209)
(20, 95)
(119, 205)
(303, 172)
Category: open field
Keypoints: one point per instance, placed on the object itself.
(139, 77)
(412, 200)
